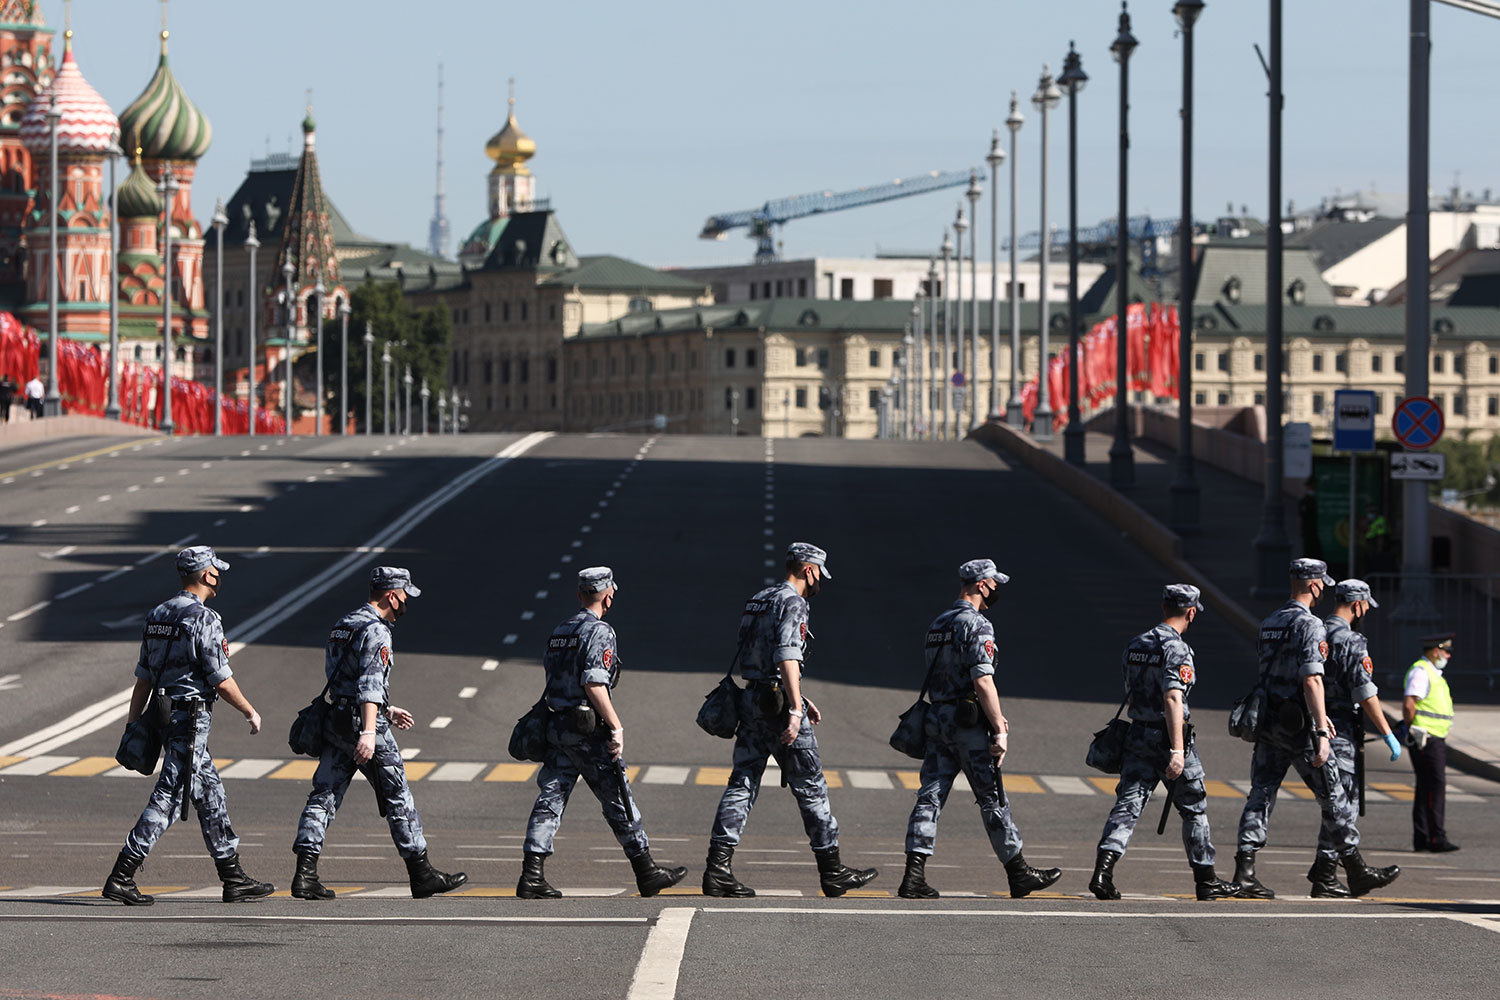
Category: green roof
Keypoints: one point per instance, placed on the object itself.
(1246, 263)
(1370, 322)
(607, 272)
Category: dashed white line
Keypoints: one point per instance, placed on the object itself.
(159, 479)
(490, 665)
(40, 522)
(66, 550)
(541, 595)
(74, 591)
(568, 559)
(28, 612)
(526, 616)
(468, 692)
(441, 722)
(509, 640)
(246, 508)
(73, 509)
(585, 529)
(577, 544)
(104, 499)
(182, 472)
(554, 575)
(594, 516)
(220, 523)
(36, 475)
(133, 489)
(113, 574)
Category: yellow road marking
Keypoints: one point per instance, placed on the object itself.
(8, 761)
(1105, 785)
(678, 890)
(287, 893)
(297, 770)
(833, 779)
(511, 772)
(85, 768)
(150, 890)
(1221, 790)
(485, 891)
(75, 458)
(1395, 790)
(1025, 784)
(631, 772)
(712, 776)
(222, 762)
(909, 779)
(1297, 792)
(868, 894)
(416, 770)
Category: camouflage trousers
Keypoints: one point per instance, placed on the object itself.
(1343, 749)
(187, 769)
(952, 748)
(757, 739)
(386, 774)
(570, 756)
(1145, 764)
(1268, 766)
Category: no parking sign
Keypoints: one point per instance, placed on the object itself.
(1417, 422)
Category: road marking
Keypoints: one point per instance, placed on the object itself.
(661, 959)
(104, 499)
(712, 776)
(456, 771)
(662, 774)
(490, 665)
(38, 891)
(509, 640)
(38, 765)
(159, 479)
(441, 722)
(28, 612)
(541, 595)
(1063, 785)
(417, 770)
(1023, 783)
(85, 768)
(40, 522)
(73, 509)
(72, 458)
(133, 489)
(250, 767)
(511, 772)
(74, 591)
(869, 779)
(526, 616)
(115, 573)
(468, 692)
(297, 770)
(66, 550)
(554, 575)
(220, 523)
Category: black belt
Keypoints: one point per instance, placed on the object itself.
(192, 705)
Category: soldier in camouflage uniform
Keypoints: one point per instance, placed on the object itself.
(967, 732)
(1348, 686)
(776, 721)
(357, 737)
(1293, 644)
(185, 661)
(585, 738)
(1159, 675)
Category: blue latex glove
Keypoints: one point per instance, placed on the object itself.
(1394, 745)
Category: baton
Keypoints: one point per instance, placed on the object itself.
(999, 781)
(1166, 809)
(618, 766)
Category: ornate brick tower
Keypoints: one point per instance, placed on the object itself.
(25, 70)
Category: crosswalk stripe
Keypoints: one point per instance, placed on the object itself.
(416, 770)
(456, 771)
(868, 779)
(341, 890)
(386, 893)
(1023, 783)
(713, 776)
(297, 770)
(1065, 785)
(37, 765)
(489, 892)
(1221, 790)
(663, 774)
(911, 780)
(36, 891)
(87, 767)
(250, 767)
(1372, 795)
(1403, 793)
(1105, 785)
(833, 779)
(8, 761)
(211, 892)
(511, 772)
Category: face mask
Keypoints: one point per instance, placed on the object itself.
(398, 607)
(988, 600)
(814, 583)
(212, 583)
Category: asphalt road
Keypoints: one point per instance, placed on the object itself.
(691, 526)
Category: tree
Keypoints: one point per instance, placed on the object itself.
(416, 337)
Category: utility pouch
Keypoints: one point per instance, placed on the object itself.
(1289, 717)
(584, 719)
(159, 710)
(967, 713)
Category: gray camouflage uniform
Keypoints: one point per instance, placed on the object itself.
(773, 628)
(1292, 645)
(357, 664)
(183, 652)
(960, 649)
(1348, 680)
(1155, 662)
(581, 651)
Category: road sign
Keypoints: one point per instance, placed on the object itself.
(1431, 466)
(958, 379)
(1353, 420)
(1296, 450)
(1417, 422)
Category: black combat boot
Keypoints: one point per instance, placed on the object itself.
(305, 884)
(239, 887)
(1363, 878)
(121, 882)
(651, 878)
(1244, 874)
(428, 881)
(533, 883)
(1024, 879)
(718, 873)
(837, 879)
(1324, 876)
(1102, 885)
(1210, 886)
(914, 882)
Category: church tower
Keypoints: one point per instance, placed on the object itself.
(512, 188)
(25, 71)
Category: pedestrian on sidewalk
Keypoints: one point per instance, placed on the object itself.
(34, 393)
(1293, 645)
(1348, 689)
(185, 659)
(7, 395)
(1427, 714)
(586, 739)
(1159, 674)
(967, 732)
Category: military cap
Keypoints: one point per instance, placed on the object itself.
(1440, 640)
(383, 578)
(1182, 595)
(1311, 569)
(596, 579)
(1349, 591)
(809, 553)
(981, 569)
(196, 557)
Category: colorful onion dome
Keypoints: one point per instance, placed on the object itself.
(170, 126)
(87, 124)
(138, 196)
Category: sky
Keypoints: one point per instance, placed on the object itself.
(652, 115)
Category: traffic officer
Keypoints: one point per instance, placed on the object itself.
(1428, 714)
(185, 660)
(585, 738)
(1293, 644)
(966, 731)
(1159, 675)
(776, 721)
(1348, 687)
(357, 737)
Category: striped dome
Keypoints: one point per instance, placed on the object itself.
(87, 124)
(138, 195)
(169, 126)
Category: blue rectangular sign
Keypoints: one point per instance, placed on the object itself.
(1353, 420)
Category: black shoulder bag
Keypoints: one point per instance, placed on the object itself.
(1107, 748)
(141, 743)
(1251, 712)
(720, 713)
(306, 734)
(910, 736)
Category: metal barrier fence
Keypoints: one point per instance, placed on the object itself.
(1466, 605)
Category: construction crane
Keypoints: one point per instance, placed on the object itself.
(1139, 229)
(762, 222)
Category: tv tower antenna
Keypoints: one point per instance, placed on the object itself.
(438, 230)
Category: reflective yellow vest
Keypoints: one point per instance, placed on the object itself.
(1434, 713)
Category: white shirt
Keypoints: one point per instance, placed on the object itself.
(1417, 681)
(35, 389)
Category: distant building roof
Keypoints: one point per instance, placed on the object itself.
(606, 272)
(787, 315)
(532, 241)
(1331, 240)
(1230, 270)
(1460, 323)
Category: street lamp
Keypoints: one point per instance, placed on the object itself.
(220, 220)
(1121, 454)
(1014, 416)
(734, 413)
(947, 366)
(882, 413)
(786, 413)
(167, 188)
(1044, 100)
(1184, 491)
(407, 380)
(994, 159)
(426, 394)
(914, 386)
(344, 312)
(112, 408)
(960, 224)
(52, 403)
(453, 410)
(386, 407)
(1072, 81)
(251, 245)
(934, 371)
(442, 405)
(973, 194)
(369, 340)
(907, 426)
(288, 270)
(319, 291)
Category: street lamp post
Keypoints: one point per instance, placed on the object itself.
(442, 405)
(288, 271)
(1184, 491)
(934, 371)
(220, 220)
(946, 369)
(1072, 81)
(1044, 100)
(407, 380)
(908, 424)
(251, 245)
(994, 159)
(319, 291)
(734, 413)
(369, 339)
(1013, 412)
(426, 394)
(167, 188)
(973, 194)
(960, 225)
(882, 414)
(112, 407)
(453, 411)
(786, 414)
(1121, 454)
(52, 402)
(914, 387)
(344, 312)
(386, 407)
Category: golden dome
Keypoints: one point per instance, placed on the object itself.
(510, 148)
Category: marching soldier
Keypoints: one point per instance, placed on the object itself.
(357, 737)
(1293, 644)
(776, 721)
(585, 738)
(966, 731)
(185, 658)
(1159, 675)
(1427, 711)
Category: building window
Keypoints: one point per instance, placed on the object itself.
(749, 357)
(638, 305)
(1458, 364)
(1223, 399)
(884, 288)
(1341, 361)
(1437, 362)
(1260, 362)
(466, 367)
(1494, 406)
(1317, 362)
(552, 311)
(1317, 403)
(1458, 404)
(896, 358)
(487, 317)
(505, 312)
(1199, 362)
(801, 398)
(1379, 403)
(875, 358)
(1200, 398)
(823, 358)
(505, 371)
(802, 288)
(801, 357)
(488, 367)
(1494, 365)
(729, 395)
(1400, 365)
(525, 373)
(846, 288)
(1260, 399)
(692, 359)
(1377, 362)
(875, 399)
(551, 369)
(729, 357)
(523, 312)
(778, 288)
(750, 398)
(672, 362)
(1223, 361)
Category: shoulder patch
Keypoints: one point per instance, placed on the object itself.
(989, 648)
(385, 655)
(1323, 649)
(1368, 664)
(1186, 672)
(608, 656)
(802, 627)
(225, 643)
